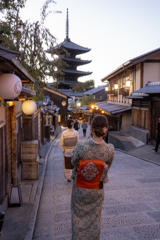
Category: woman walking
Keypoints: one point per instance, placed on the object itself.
(91, 159)
(68, 141)
(84, 127)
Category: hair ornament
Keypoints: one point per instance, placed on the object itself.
(104, 129)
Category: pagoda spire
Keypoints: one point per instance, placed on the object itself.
(67, 26)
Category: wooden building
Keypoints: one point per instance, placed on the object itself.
(98, 92)
(146, 108)
(61, 101)
(127, 78)
(11, 125)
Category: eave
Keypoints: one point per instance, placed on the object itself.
(76, 61)
(10, 64)
(75, 72)
(131, 63)
(26, 93)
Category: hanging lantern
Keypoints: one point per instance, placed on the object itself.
(10, 86)
(106, 89)
(29, 107)
(116, 86)
(128, 83)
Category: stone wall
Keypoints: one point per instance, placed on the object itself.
(139, 133)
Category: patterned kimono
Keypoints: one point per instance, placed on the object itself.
(86, 204)
(68, 141)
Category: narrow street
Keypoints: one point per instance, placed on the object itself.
(131, 205)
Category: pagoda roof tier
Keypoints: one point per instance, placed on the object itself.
(76, 61)
(65, 83)
(71, 47)
(75, 72)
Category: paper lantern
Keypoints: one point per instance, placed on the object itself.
(29, 107)
(116, 86)
(10, 86)
(106, 89)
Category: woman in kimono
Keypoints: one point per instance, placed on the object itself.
(68, 141)
(91, 160)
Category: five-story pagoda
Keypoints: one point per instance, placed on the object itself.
(68, 74)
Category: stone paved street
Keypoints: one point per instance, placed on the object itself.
(131, 209)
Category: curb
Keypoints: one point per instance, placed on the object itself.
(31, 225)
(133, 155)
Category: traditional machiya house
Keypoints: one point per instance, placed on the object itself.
(133, 114)
(146, 108)
(61, 101)
(98, 92)
(11, 120)
(67, 74)
(50, 113)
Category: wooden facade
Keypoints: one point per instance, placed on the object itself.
(155, 112)
(2, 164)
(11, 126)
(145, 114)
(137, 72)
(58, 99)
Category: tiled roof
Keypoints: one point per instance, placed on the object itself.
(95, 90)
(71, 45)
(63, 82)
(70, 93)
(9, 58)
(76, 60)
(67, 44)
(75, 72)
(113, 108)
(150, 88)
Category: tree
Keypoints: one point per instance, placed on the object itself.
(30, 38)
(83, 86)
(87, 100)
(73, 105)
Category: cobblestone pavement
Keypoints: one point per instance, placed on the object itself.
(131, 209)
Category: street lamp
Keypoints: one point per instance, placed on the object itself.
(92, 106)
(78, 103)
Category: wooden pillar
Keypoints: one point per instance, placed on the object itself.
(150, 119)
(7, 153)
(141, 77)
(33, 128)
(14, 147)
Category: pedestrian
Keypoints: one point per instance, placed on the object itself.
(84, 127)
(91, 118)
(158, 135)
(76, 125)
(91, 160)
(68, 141)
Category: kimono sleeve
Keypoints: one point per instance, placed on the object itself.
(75, 157)
(61, 140)
(110, 155)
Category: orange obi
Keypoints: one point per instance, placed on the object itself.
(89, 173)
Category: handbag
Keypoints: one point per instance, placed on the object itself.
(67, 161)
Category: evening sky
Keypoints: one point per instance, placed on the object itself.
(115, 30)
